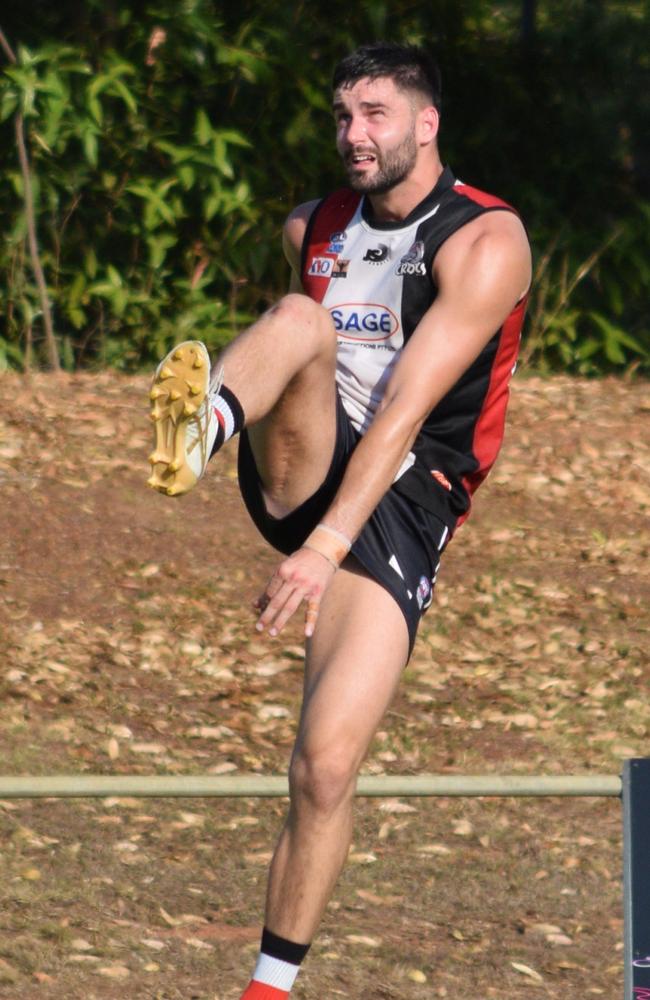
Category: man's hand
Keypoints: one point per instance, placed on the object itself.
(304, 576)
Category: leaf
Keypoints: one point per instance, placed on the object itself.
(526, 970)
(234, 138)
(416, 976)
(148, 748)
(31, 874)
(80, 944)
(8, 104)
(202, 128)
(114, 971)
(221, 160)
(363, 939)
(183, 920)
(89, 140)
(439, 849)
(394, 806)
(120, 89)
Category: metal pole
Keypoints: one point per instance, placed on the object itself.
(276, 786)
(636, 877)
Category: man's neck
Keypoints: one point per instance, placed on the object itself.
(398, 203)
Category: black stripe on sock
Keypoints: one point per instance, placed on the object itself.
(286, 951)
(235, 406)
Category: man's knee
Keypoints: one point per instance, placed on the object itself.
(296, 311)
(322, 781)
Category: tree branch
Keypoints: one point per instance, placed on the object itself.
(9, 52)
(50, 339)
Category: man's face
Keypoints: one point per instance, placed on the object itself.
(376, 134)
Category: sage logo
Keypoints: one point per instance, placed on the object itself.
(412, 262)
(377, 255)
(364, 322)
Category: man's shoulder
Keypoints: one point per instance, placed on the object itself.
(492, 240)
(479, 197)
(302, 213)
(470, 211)
(294, 230)
(330, 212)
(338, 200)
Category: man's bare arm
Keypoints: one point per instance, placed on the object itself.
(293, 235)
(481, 272)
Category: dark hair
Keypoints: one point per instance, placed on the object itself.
(409, 66)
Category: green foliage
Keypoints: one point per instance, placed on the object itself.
(587, 315)
(168, 141)
(136, 195)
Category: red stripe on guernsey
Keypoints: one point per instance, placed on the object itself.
(488, 430)
(220, 417)
(332, 216)
(480, 197)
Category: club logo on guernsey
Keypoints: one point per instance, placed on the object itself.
(321, 267)
(364, 322)
(423, 591)
(412, 262)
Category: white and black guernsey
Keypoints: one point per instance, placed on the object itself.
(375, 278)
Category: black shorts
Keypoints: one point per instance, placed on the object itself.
(399, 546)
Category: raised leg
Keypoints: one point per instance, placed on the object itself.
(281, 373)
(282, 370)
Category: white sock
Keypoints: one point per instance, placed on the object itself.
(274, 972)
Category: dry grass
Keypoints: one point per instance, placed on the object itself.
(128, 647)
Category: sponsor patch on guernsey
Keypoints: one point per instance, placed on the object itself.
(364, 321)
(377, 255)
(337, 241)
(321, 267)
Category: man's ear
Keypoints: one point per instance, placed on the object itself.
(428, 123)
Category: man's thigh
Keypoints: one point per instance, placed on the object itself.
(354, 662)
(287, 532)
(294, 443)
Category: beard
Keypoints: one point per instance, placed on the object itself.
(393, 166)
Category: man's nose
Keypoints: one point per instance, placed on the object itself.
(356, 131)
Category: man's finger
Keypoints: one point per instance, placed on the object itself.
(273, 586)
(273, 605)
(284, 614)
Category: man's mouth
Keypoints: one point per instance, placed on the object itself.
(357, 158)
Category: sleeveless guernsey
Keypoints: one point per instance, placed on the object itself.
(375, 279)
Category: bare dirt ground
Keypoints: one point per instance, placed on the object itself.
(128, 647)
